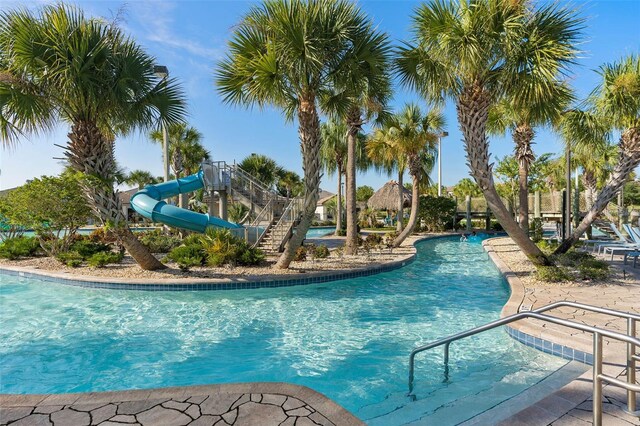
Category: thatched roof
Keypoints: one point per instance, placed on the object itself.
(386, 198)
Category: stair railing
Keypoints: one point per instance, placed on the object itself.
(283, 229)
(261, 224)
(631, 386)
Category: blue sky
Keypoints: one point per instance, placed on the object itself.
(190, 37)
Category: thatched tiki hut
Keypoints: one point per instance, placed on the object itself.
(388, 198)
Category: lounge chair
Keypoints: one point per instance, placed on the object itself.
(630, 247)
(622, 240)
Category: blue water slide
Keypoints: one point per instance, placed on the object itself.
(148, 202)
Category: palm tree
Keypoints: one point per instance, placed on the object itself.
(616, 103)
(520, 119)
(140, 178)
(290, 54)
(263, 168)
(289, 184)
(362, 95)
(61, 66)
(466, 187)
(333, 156)
(185, 151)
(413, 135)
(477, 52)
(385, 159)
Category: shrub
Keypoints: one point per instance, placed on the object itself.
(224, 248)
(552, 274)
(372, 241)
(187, 256)
(496, 226)
(341, 232)
(436, 213)
(86, 248)
(321, 252)
(535, 230)
(389, 238)
(100, 235)
(301, 254)
(102, 259)
(157, 242)
(13, 248)
(70, 258)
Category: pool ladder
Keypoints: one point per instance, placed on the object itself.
(630, 339)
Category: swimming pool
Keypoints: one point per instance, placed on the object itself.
(318, 232)
(347, 339)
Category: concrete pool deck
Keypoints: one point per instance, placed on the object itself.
(572, 404)
(240, 404)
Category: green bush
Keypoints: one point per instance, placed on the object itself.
(496, 226)
(552, 274)
(436, 213)
(187, 256)
(13, 248)
(321, 251)
(157, 242)
(102, 259)
(535, 230)
(70, 258)
(87, 248)
(301, 254)
(224, 248)
(341, 232)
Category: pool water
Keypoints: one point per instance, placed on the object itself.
(318, 232)
(347, 339)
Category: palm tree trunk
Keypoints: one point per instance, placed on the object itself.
(628, 160)
(309, 134)
(91, 153)
(339, 200)
(473, 111)
(400, 215)
(591, 187)
(354, 123)
(415, 203)
(522, 136)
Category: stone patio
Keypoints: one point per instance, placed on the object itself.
(250, 404)
(571, 405)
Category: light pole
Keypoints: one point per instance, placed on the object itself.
(440, 136)
(162, 72)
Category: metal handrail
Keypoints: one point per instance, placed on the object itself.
(631, 386)
(284, 224)
(265, 215)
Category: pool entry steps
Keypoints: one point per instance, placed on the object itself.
(595, 360)
(270, 220)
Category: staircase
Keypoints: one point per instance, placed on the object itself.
(274, 216)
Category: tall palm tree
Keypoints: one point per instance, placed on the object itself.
(263, 168)
(58, 65)
(521, 119)
(616, 102)
(477, 52)
(412, 135)
(289, 184)
(361, 95)
(290, 53)
(185, 151)
(333, 156)
(140, 178)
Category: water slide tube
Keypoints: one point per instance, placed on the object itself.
(148, 202)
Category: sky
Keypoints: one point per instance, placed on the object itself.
(190, 38)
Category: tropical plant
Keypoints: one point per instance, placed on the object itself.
(466, 187)
(14, 248)
(291, 54)
(615, 102)
(437, 213)
(223, 248)
(507, 172)
(363, 193)
(520, 119)
(237, 212)
(140, 178)
(478, 52)
(59, 65)
(53, 206)
(411, 135)
(263, 168)
(289, 184)
(185, 151)
(333, 156)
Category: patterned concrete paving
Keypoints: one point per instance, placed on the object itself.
(572, 404)
(251, 404)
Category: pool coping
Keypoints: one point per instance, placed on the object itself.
(146, 400)
(212, 284)
(575, 393)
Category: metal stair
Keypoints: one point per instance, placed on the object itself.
(274, 216)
